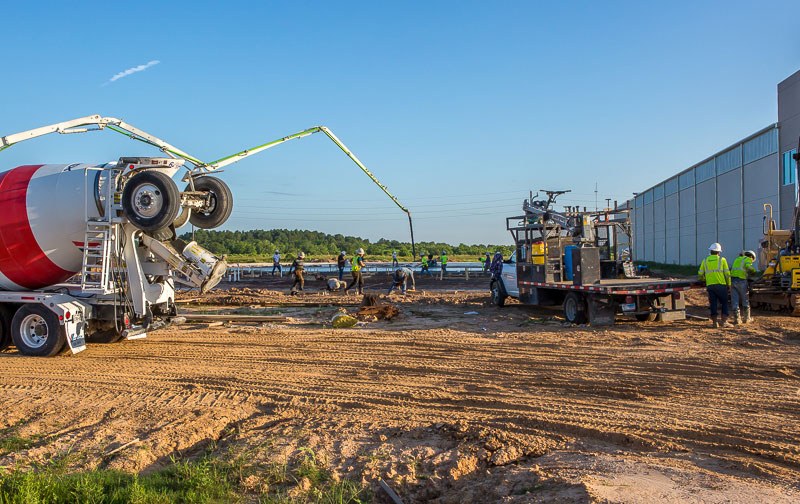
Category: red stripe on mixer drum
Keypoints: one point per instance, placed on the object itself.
(22, 260)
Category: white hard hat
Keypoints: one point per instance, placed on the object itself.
(344, 253)
(360, 251)
(301, 255)
(750, 253)
(715, 247)
(277, 252)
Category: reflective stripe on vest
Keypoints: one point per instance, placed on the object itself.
(717, 275)
(740, 267)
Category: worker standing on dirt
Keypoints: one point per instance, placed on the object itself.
(443, 259)
(487, 262)
(715, 273)
(400, 279)
(394, 259)
(356, 265)
(424, 265)
(340, 262)
(496, 267)
(276, 263)
(742, 270)
(298, 267)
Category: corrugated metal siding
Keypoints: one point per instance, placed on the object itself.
(704, 172)
(761, 146)
(729, 160)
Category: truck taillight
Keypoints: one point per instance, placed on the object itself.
(127, 321)
(67, 315)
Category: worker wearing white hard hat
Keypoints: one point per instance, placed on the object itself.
(715, 273)
(341, 261)
(742, 270)
(276, 263)
(356, 265)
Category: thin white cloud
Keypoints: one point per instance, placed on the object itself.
(133, 70)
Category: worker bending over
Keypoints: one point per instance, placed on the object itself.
(741, 270)
(357, 264)
(400, 279)
(715, 273)
(298, 268)
(334, 285)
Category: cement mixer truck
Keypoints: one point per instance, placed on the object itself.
(89, 252)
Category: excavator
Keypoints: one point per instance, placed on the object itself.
(778, 289)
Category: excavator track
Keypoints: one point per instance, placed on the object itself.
(786, 302)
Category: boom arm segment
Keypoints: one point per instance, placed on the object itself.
(99, 123)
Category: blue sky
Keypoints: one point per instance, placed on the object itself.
(458, 107)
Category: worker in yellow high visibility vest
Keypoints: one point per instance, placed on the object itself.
(356, 265)
(715, 273)
(741, 270)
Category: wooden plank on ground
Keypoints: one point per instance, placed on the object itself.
(205, 317)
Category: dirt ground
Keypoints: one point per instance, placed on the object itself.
(454, 400)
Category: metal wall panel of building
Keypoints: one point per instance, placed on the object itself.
(761, 182)
(672, 228)
(706, 204)
(637, 221)
(659, 229)
(648, 233)
(789, 118)
(729, 212)
(688, 226)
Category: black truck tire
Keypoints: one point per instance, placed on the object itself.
(575, 308)
(646, 317)
(221, 203)
(499, 294)
(6, 314)
(151, 200)
(37, 332)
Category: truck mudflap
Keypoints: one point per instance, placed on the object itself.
(73, 315)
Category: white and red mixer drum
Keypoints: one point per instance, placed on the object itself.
(43, 210)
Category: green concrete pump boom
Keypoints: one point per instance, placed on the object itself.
(98, 123)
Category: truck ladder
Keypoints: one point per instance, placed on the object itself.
(96, 257)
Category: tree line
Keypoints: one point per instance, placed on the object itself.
(263, 243)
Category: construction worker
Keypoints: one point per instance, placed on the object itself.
(443, 259)
(276, 263)
(742, 270)
(424, 263)
(715, 273)
(487, 262)
(400, 279)
(356, 265)
(334, 285)
(340, 262)
(496, 267)
(298, 268)
(394, 259)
